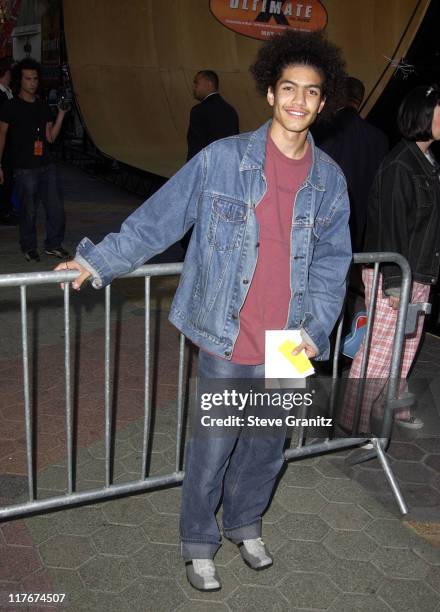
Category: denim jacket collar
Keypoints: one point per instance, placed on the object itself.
(255, 155)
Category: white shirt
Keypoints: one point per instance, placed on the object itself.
(7, 91)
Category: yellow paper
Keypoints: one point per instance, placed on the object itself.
(300, 362)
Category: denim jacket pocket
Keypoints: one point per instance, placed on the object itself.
(226, 224)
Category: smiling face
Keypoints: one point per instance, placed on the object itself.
(297, 99)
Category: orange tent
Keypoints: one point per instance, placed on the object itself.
(133, 63)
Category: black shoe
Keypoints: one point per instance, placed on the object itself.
(58, 252)
(32, 256)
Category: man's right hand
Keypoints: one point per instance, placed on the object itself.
(74, 265)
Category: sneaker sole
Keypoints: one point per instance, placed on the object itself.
(204, 590)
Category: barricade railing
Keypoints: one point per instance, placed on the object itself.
(405, 324)
(111, 489)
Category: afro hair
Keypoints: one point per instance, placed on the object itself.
(306, 49)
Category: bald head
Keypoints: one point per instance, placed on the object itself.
(205, 82)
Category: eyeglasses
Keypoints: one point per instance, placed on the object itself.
(430, 90)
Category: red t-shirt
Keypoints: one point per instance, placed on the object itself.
(267, 302)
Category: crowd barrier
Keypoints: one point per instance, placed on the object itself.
(405, 325)
(302, 448)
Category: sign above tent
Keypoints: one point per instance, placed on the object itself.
(263, 18)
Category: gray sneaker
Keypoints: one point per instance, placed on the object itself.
(202, 575)
(255, 554)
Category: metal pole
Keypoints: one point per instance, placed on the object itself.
(396, 360)
(146, 436)
(390, 476)
(322, 447)
(64, 501)
(27, 403)
(107, 406)
(69, 415)
(360, 391)
(179, 428)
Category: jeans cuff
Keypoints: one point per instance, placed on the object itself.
(246, 532)
(198, 550)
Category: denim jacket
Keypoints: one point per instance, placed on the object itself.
(217, 192)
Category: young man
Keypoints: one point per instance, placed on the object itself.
(270, 250)
(30, 128)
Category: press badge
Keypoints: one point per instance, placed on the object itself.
(38, 145)
(38, 148)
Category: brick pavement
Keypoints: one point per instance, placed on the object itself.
(339, 543)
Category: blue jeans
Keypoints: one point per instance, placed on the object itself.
(34, 185)
(243, 467)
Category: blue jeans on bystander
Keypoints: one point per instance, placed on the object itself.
(35, 185)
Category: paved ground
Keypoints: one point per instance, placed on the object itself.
(338, 540)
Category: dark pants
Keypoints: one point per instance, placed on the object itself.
(6, 192)
(34, 185)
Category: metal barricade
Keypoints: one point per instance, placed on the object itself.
(112, 490)
(392, 400)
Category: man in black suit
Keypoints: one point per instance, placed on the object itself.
(210, 120)
(358, 147)
(213, 118)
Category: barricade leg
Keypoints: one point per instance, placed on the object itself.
(381, 455)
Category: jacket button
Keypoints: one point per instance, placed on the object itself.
(437, 254)
(257, 245)
(234, 316)
(227, 353)
(245, 281)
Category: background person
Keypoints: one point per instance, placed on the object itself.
(358, 147)
(404, 217)
(213, 118)
(28, 122)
